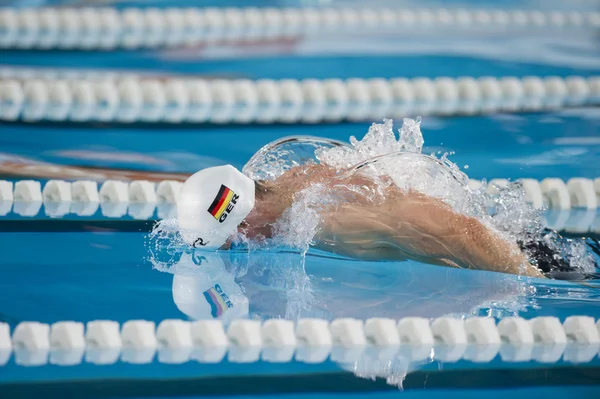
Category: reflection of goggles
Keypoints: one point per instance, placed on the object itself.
(204, 289)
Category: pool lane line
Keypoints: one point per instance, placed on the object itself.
(327, 383)
(134, 28)
(124, 226)
(76, 226)
(242, 101)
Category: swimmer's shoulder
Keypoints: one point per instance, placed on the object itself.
(301, 175)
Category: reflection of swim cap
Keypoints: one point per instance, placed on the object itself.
(203, 289)
(212, 203)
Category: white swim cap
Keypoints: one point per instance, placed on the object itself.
(204, 289)
(212, 203)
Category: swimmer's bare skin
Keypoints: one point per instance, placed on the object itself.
(403, 226)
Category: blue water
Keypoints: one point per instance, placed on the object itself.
(89, 268)
(112, 273)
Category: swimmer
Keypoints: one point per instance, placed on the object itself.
(217, 202)
(373, 234)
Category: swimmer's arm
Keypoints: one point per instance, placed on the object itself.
(425, 229)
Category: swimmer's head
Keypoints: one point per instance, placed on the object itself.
(211, 205)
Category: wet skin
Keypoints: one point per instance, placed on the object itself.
(373, 222)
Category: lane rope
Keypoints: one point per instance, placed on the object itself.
(131, 99)
(133, 28)
(573, 205)
(345, 340)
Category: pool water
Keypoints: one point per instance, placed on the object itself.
(100, 268)
(95, 268)
(110, 268)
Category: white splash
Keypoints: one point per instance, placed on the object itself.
(165, 244)
(379, 140)
(275, 158)
(383, 153)
(298, 225)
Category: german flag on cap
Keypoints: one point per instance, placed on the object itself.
(221, 202)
